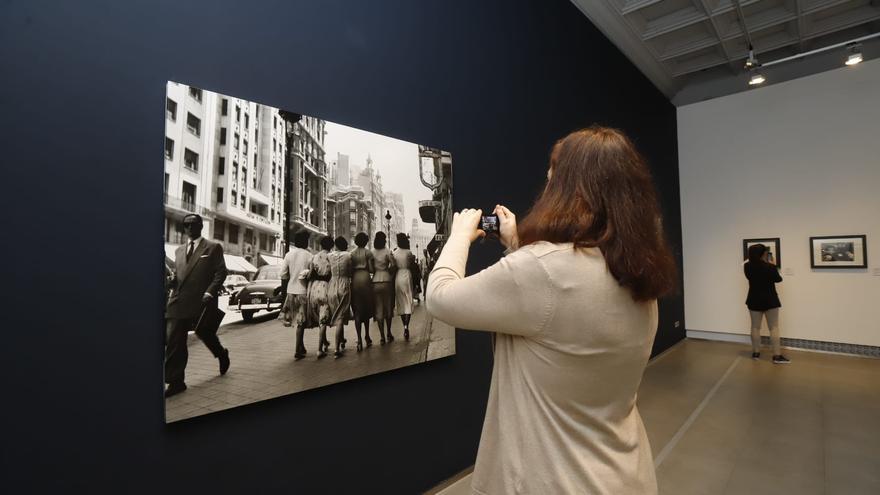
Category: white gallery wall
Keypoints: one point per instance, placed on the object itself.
(792, 160)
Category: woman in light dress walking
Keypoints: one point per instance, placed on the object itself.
(319, 280)
(362, 288)
(405, 261)
(383, 286)
(339, 292)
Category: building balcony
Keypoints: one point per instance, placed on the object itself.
(428, 210)
(307, 225)
(184, 205)
(251, 219)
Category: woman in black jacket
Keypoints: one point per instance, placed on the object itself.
(762, 301)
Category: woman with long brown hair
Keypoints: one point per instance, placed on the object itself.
(574, 306)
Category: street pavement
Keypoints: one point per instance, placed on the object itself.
(262, 364)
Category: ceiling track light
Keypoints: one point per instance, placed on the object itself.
(752, 66)
(854, 57)
(752, 61)
(756, 79)
(855, 54)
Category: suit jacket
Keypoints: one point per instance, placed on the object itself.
(204, 272)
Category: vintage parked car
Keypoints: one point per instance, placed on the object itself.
(233, 283)
(265, 293)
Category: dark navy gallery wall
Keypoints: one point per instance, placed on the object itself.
(82, 119)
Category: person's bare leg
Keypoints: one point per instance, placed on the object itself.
(322, 339)
(300, 346)
(367, 332)
(339, 337)
(381, 325)
(388, 322)
(756, 317)
(357, 330)
(405, 319)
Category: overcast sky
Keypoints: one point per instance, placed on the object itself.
(396, 160)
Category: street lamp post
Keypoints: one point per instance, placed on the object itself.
(388, 222)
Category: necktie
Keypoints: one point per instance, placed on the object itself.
(189, 250)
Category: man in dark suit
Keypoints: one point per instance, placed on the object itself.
(198, 276)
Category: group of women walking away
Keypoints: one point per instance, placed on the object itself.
(336, 285)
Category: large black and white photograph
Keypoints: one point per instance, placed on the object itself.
(297, 252)
(838, 252)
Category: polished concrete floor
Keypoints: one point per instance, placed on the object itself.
(721, 423)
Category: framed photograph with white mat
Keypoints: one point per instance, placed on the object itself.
(839, 251)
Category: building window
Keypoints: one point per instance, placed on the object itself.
(247, 120)
(264, 242)
(219, 230)
(234, 198)
(196, 93)
(188, 196)
(237, 113)
(169, 148)
(222, 135)
(165, 190)
(219, 194)
(224, 107)
(171, 109)
(193, 124)
(245, 146)
(221, 166)
(190, 159)
(274, 122)
(235, 141)
(233, 233)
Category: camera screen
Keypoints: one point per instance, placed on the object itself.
(489, 224)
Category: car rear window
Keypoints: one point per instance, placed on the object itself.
(269, 273)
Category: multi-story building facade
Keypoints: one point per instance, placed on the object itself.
(370, 180)
(351, 212)
(189, 153)
(224, 160)
(306, 202)
(250, 175)
(339, 173)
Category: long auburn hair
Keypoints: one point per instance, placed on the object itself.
(600, 194)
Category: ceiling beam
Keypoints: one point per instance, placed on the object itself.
(801, 30)
(717, 31)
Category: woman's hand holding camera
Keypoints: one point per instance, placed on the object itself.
(507, 228)
(466, 222)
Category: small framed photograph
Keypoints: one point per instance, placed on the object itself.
(772, 244)
(839, 251)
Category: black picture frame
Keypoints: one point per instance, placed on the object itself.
(772, 242)
(834, 248)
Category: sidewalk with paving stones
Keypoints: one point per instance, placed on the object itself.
(261, 353)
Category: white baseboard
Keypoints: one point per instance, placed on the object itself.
(843, 349)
